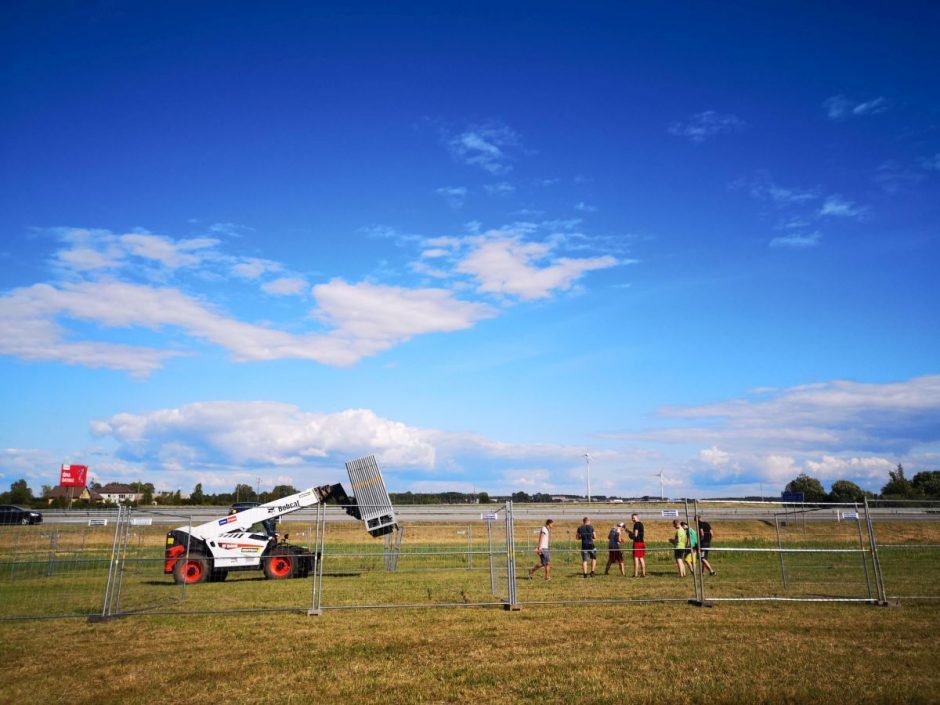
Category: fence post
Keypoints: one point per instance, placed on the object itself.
(112, 560)
(783, 572)
(513, 603)
(876, 561)
(317, 581)
(861, 545)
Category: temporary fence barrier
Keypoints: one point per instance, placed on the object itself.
(106, 564)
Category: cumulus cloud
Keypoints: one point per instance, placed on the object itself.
(285, 286)
(705, 125)
(364, 318)
(263, 433)
(89, 250)
(502, 263)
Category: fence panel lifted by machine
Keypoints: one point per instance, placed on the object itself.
(235, 542)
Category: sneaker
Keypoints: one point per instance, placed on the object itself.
(714, 572)
(584, 575)
(592, 573)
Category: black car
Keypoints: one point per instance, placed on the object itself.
(10, 514)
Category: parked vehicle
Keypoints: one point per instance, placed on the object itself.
(10, 514)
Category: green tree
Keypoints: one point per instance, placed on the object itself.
(19, 493)
(846, 491)
(811, 488)
(927, 483)
(898, 486)
(197, 496)
(521, 497)
(245, 493)
(484, 498)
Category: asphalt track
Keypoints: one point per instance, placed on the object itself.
(599, 512)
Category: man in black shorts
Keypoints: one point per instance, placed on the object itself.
(704, 542)
(588, 553)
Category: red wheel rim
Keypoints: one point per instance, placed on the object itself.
(280, 566)
(193, 571)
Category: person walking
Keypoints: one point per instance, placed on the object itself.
(545, 559)
(680, 543)
(615, 539)
(705, 542)
(587, 536)
(639, 547)
(691, 551)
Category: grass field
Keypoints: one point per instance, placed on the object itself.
(585, 652)
(636, 653)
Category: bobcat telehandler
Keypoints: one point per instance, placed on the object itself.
(246, 540)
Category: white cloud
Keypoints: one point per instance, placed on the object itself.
(797, 241)
(372, 317)
(713, 456)
(285, 286)
(365, 319)
(485, 146)
(705, 125)
(502, 188)
(839, 107)
(454, 195)
(764, 188)
(840, 415)
(502, 263)
(89, 250)
(253, 267)
(840, 207)
(584, 207)
(267, 433)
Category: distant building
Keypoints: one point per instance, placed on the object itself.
(118, 493)
(75, 493)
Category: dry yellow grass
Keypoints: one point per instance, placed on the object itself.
(606, 654)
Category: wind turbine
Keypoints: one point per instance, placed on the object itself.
(662, 494)
(587, 459)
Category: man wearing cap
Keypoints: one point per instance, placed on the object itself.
(614, 555)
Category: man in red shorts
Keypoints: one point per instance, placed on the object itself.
(639, 548)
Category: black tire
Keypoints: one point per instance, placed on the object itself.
(281, 564)
(192, 570)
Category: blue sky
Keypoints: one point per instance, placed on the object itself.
(242, 241)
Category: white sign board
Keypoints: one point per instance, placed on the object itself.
(97, 522)
(142, 521)
(670, 513)
(850, 515)
(488, 517)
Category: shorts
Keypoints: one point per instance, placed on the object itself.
(703, 549)
(639, 549)
(615, 556)
(544, 557)
(678, 554)
(589, 554)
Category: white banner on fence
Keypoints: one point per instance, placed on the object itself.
(670, 513)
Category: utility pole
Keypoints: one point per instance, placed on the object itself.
(587, 459)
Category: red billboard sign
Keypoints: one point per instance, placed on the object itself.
(73, 475)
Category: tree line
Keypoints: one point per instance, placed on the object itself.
(924, 485)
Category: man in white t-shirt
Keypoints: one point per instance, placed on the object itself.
(545, 560)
